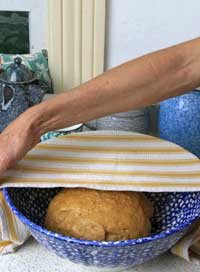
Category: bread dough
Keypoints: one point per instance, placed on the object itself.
(99, 215)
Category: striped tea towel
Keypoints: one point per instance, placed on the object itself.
(109, 160)
(12, 232)
(189, 247)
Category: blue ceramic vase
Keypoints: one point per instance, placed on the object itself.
(179, 121)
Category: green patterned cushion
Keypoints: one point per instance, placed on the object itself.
(36, 62)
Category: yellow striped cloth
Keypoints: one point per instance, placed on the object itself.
(12, 232)
(108, 160)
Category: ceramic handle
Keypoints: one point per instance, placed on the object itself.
(7, 97)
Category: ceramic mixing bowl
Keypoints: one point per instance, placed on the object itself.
(173, 214)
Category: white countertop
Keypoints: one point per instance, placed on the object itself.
(34, 258)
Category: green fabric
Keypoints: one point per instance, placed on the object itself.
(35, 62)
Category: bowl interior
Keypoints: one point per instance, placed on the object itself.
(170, 209)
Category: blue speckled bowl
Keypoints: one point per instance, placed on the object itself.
(174, 212)
(179, 121)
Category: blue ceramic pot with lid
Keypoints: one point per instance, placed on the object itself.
(19, 90)
(179, 121)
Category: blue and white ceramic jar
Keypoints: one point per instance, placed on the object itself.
(179, 121)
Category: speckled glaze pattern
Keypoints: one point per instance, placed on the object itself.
(179, 121)
(174, 212)
(21, 101)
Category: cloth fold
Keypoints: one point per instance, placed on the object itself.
(12, 232)
(107, 160)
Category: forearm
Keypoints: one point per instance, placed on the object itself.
(135, 84)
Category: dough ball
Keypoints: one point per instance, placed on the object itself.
(99, 215)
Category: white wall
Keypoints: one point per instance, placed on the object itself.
(136, 27)
(38, 13)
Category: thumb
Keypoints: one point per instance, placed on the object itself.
(5, 163)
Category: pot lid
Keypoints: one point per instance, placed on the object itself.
(17, 73)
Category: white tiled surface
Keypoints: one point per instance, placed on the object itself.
(34, 258)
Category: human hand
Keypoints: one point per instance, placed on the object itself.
(16, 140)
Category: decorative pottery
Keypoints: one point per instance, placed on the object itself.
(19, 90)
(64, 131)
(179, 121)
(174, 212)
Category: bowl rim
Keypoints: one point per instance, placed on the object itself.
(54, 235)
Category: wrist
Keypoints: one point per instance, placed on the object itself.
(35, 118)
(192, 60)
